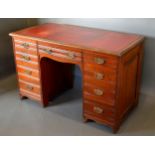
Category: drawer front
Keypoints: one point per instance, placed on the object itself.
(26, 57)
(28, 72)
(29, 87)
(31, 51)
(20, 62)
(103, 95)
(99, 84)
(25, 44)
(30, 94)
(99, 61)
(70, 56)
(99, 111)
(30, 79)
(100, 77)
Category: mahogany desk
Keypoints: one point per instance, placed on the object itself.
(110, 63)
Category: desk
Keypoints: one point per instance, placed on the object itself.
(110, 64)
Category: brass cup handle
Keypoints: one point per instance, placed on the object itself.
(27, 58)
(99, 76)
(99, 61)
(29, 87)
(28, 72)
(71, 55)
(98, 110)
(48, 51)
(25, 45)
(98, 92)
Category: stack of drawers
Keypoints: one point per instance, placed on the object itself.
(28, 68)
(100, 88)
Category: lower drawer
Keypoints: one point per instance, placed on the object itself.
(28, 71)
(101, 112)
(31, 79)
(99, 94)
(30, 95)
(29, 87)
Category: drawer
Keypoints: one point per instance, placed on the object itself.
(99, 61)
(100, 76)
(67, 55)
(20, 62)
(26, 71)
(31, 79)
(109, 86)
(99, 111)
(24, 43)
(26, 57)
(32, 51)
(30, 94)
(29, 87)
(103, 95)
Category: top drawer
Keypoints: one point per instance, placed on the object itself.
(25, 45)
(95, 61)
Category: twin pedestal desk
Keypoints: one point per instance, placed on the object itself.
(110, 64)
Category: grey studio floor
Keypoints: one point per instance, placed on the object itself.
(64, 116)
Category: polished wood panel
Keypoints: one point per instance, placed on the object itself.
(128, 75)
(110, 64)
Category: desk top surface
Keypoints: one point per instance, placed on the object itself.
(115, 43)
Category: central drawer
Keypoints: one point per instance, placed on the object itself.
(67, 55)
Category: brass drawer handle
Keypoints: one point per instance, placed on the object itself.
(99, 76)
(27, 58)
(28, 72)
(29, 87)
(48, 51)
(98, 92)
(98, 110)
(99, 61)
(25, 45)
(71, 55)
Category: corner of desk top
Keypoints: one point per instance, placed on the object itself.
(12, 34)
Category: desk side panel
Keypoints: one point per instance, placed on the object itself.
(129, 81)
